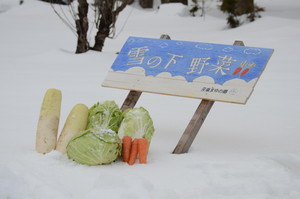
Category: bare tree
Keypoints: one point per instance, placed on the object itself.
(82, 27)
(107, 12)
(105, 17)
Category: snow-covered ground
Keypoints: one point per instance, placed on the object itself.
(242, 151)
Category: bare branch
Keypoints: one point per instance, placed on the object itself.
(120, 8)
(68, 24)
(66, 17)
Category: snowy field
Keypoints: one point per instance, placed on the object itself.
(241, 152)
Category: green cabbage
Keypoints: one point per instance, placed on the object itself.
(94, 147)
(105, 116)
(137, 123)
(100, 143)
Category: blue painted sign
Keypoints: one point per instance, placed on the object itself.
(192, 59)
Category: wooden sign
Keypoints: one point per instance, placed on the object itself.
(212, 72)
(190, 69)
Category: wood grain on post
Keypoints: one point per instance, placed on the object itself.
(131, 100)
(196, 122)
(193, 127)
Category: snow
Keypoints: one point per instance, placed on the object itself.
(242, 151)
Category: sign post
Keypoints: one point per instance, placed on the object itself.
(196, 122)
(211, 72)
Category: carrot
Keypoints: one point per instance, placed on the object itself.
(237, 71)
(126, 148)
(133, 152)
(244, 72)
(143, 150)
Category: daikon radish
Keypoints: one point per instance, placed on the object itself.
(76, 122)
(47, 128)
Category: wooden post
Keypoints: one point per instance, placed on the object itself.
(165, 36)
(133, 96)
(131, 100)
(238, 43)
(193, 127)
(196, 122)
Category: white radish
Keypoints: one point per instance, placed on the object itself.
(47, 128)
(75, 123)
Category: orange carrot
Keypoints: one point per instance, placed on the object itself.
(126, 148)
(133, 152)
(143, 150)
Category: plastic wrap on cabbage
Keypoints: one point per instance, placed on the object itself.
(106, 116)
(100, 143)
(137, 123)
(95, 147)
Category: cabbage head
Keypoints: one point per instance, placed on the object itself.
(137, 123)
(95, 147)
(100, 143)
(105, 116)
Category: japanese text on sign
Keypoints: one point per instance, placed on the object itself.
(192, 59)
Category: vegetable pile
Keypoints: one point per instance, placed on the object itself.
(137, 125)
(100, 143)
(98, 135)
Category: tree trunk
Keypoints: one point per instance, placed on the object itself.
(106, 11)
(228, 6)
(146, 3)
(82, 26)
(238, 7)
(108, 18)
(244, 7)
(185, 2)
(103, 32)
